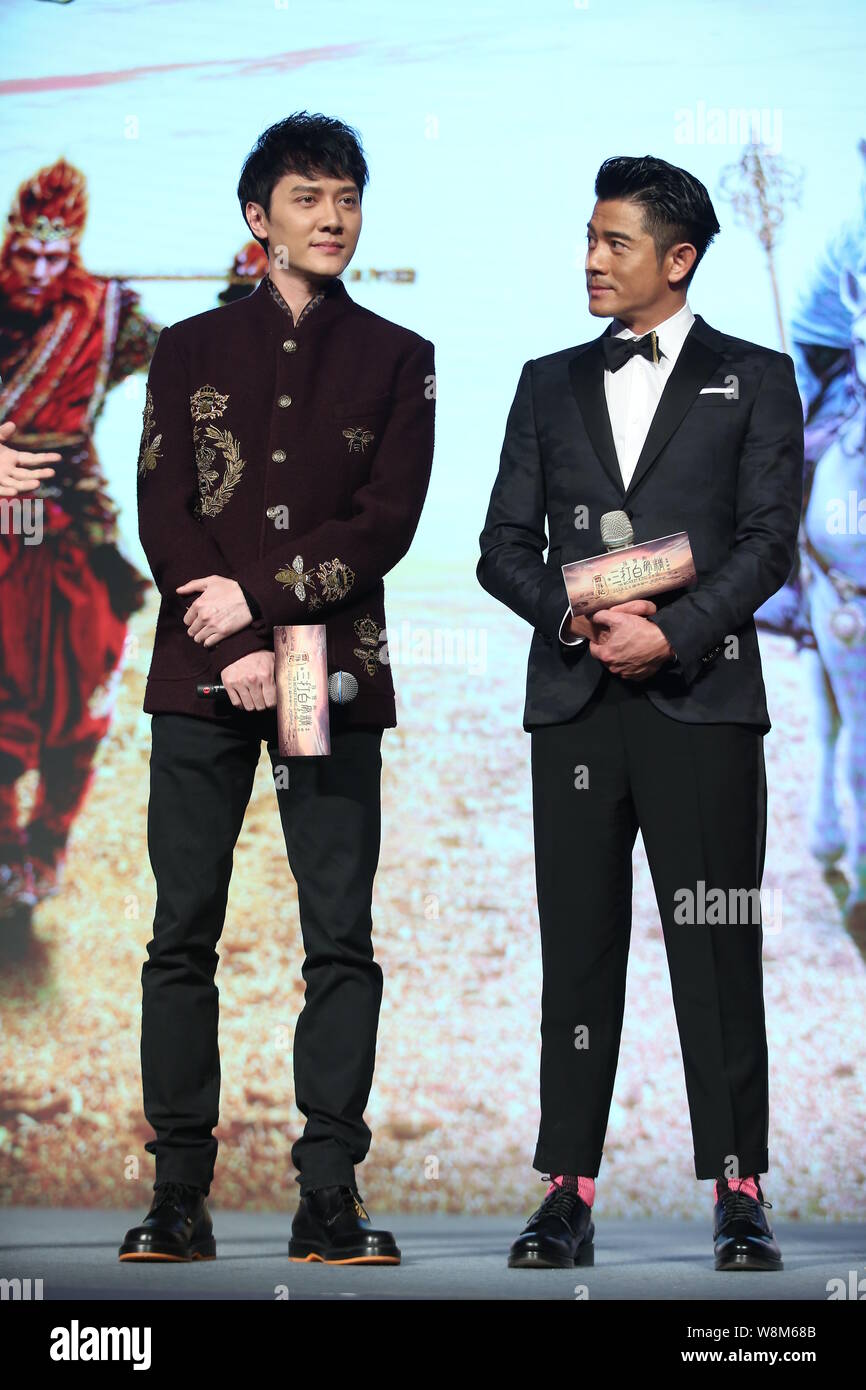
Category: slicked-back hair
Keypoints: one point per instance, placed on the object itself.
(675, 205)
(300, 144)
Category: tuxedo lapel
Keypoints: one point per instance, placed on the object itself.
(695, 364)
(586, 372)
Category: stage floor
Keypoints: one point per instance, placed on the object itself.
(74, 1252)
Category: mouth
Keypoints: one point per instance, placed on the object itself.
(600, 289)
(328, 246)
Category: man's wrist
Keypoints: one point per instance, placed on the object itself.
(565, 631)
(251, 602)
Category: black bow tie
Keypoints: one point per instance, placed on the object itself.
(618, 351)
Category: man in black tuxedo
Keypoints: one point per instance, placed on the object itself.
(646, 717)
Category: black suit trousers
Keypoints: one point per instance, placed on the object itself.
(201, 779)
(698, 794)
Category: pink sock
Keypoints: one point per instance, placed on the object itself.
(585, 1187)
(747, 1185)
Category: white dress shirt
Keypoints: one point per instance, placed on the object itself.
(632, 396)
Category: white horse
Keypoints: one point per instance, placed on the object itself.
(834, 565)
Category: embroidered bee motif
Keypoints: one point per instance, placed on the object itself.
(335, 580)
(367, 630)
(296, 577)
(209, 404)
(148, 452)
(359, 437)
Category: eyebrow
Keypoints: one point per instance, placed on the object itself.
(620, 236)
(315, 187)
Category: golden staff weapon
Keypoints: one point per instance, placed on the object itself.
(399, 276)
(758, 187)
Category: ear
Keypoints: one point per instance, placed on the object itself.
(681, 259)
(253, 214)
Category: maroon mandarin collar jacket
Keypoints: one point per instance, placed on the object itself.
(294, 458)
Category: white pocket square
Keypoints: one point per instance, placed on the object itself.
(716, 391)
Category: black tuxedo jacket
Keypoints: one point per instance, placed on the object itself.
(726, 466)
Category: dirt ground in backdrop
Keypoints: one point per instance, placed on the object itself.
(454, 1107)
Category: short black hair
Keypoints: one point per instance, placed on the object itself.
(676, 206)
(300, 144)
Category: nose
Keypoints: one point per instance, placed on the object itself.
(332, 220)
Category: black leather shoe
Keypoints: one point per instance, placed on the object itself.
(741, 1234)
(177, 1227)
(558, 1235)
(331, 1225)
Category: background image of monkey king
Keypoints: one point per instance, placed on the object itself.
(120, 177)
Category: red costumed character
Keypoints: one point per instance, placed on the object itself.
(66, 337)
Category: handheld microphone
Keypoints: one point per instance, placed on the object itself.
(617, 532)
(627, 570)
(342, 687)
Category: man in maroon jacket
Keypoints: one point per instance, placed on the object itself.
(284, 462)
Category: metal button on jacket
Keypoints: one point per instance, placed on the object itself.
(272, 511)
(283, 401)
(279, 456)
(289, 345)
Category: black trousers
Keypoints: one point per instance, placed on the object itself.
(201, 778)
(698, 794)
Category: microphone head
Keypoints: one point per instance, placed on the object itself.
(342, 687)
(616, 530)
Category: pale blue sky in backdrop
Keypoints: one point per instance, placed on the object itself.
(483, 126)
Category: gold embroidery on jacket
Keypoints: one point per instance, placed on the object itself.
(358, 438)
(148, 452)
(367, 630)
(335, 578)
(298, 578)
(209, 404)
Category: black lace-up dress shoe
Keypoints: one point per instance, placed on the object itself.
(558, 1235)
(177, 1227)
(331, 1225)
(741, 1234)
